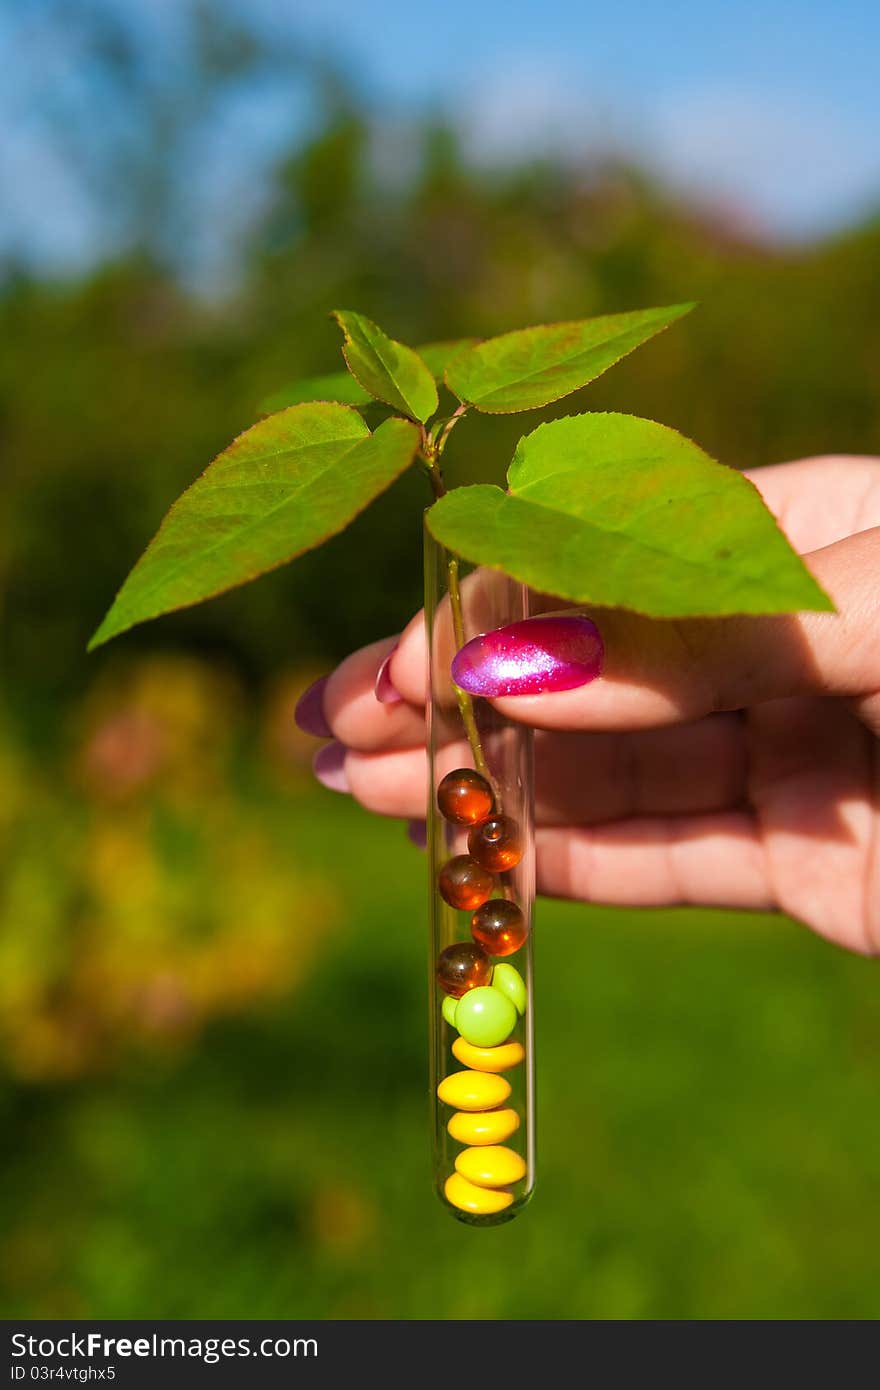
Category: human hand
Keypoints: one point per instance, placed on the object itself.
(731, 762)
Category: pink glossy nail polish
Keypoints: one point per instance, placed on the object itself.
(328, 765)
(309, 713)
(385, 690)
(534, 657)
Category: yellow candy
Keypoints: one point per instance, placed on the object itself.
(500, 1058)
(493, 1127)
(473, 1090)
(480, 1201)
(491, 1166)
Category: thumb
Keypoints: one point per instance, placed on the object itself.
(665, 671)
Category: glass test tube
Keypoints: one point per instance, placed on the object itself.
(481, 888)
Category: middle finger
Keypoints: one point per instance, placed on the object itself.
(584, 778)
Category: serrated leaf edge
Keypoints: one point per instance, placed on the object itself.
(395, 405)
(684, 308)
(97, 640)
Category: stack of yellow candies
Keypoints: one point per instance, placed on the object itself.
(485, 1016)
(483, 1002)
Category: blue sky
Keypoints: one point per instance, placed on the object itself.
(773, 108)
(774, 103)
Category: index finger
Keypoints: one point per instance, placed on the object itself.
(665, 671)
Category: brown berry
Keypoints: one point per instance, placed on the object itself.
(499, 926)
(496, 844)
(462, 967)
(465, 797)
(465, 884)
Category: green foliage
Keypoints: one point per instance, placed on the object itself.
(390, 371)
(612, 510)
(437, 356)
(535, 366)
(122, 384)
(603, 508)
(341, 386)
(281, 488)
(133, 858)
(707, 1042)
(335, 386)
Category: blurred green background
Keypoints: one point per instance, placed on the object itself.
(212, 1006)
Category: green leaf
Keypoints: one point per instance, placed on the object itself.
(281, 488)
(390, 371)
(620, 512)
(437, 356)
(335, 386)
(534, 366)
(341, 386)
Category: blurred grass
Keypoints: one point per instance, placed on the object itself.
(708, 1131)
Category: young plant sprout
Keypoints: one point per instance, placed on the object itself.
(600, 509)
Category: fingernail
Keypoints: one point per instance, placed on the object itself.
(532, 657)
(328, 765)
(309, 712)
(385, 690)
(417, 830)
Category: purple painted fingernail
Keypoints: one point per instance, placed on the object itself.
(532, 657)
(309, 712)
(385, 690)
(328, 765)
(417, 830)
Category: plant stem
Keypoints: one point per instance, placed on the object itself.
(449, 427)
(465, 703)
(430, 455)
(435, 477)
